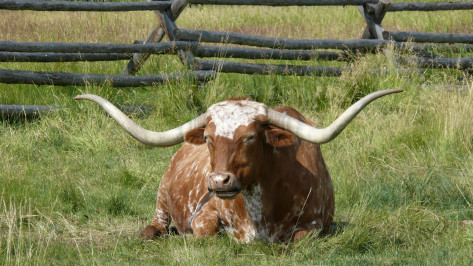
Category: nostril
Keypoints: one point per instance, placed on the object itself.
(226, 180)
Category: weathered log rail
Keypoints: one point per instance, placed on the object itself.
(461, 63)
(394, 7)
(158, 48)
(82, 79)
(419, 6)
(284, 2)
(83, 6)
(62, 57)
(24, 110)
(423, 37)
(201, 51)
(268, 69)
(271, 42)
(308, 44)
(13, 110)
(278, 54)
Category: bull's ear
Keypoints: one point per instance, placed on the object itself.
(195, 136)
(279, 137)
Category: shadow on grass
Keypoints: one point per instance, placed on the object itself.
(335, 229)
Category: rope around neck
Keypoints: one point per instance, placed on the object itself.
(202, 201)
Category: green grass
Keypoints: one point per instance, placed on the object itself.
(75, 188)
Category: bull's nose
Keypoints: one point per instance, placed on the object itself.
(220, 181)
(223, 182)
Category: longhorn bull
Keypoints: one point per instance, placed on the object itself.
(264, 166)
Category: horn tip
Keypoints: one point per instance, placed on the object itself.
(389, 91)
(89, 97)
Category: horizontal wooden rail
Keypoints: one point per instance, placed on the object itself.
(285, 2)
(35, 110)
(163, 5)
(81, 79)
(24, 110)
(206, 36)
(266, 69)
(202, 51)
(275, 43)
(404, 36)
(38, 54)
(306, 44)
(62, 57)
(152, 48)
(254, 53)
(419, 6)
(454, 47)
(83, 6)
(462, 63)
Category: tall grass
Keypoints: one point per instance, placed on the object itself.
(75, 188)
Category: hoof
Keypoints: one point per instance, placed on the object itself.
(150, 232)
(173, 231)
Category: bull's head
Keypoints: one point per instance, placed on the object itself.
(234, 135)
(235, 132)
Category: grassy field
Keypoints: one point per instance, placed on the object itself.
(76, 189)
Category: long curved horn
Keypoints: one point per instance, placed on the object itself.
(319, 136)
(151, 138)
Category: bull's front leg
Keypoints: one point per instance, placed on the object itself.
(238, 225)
(160, 224)
(206, 222)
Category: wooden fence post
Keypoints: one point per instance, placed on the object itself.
(166, 19)
(138, 59)
(168, 23)
(373, 15)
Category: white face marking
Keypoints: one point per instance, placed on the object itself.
(229, 115)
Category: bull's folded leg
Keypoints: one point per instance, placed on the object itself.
(205, 223)
(150, 232)
(160, 224)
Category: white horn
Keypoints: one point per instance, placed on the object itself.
(320, 136)
(151, 138)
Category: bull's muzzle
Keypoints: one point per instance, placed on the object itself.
(224, 184)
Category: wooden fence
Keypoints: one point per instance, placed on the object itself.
(186, 44)
(374, 36)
